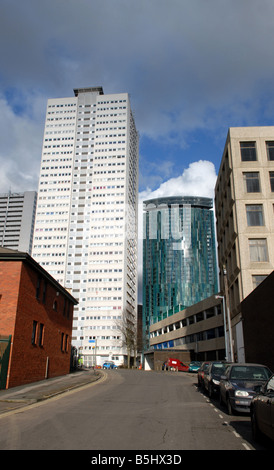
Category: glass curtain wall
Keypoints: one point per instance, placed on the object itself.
(179, 256)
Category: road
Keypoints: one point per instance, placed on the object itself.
(128, 410)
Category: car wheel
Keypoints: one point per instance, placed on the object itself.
(229, 407)
(220, 399)
(210, 390)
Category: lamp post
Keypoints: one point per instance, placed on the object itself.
(227, 314)
(226, 348)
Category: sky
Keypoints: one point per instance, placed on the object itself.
(193, 68)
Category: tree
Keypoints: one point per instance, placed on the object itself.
(128, 329)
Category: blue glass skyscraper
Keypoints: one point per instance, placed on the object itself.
(179, 255)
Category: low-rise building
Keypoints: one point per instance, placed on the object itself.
(36, 315)
(198, 329)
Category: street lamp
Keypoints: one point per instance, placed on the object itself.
(228, 313)
(223, 299)
(225, 310)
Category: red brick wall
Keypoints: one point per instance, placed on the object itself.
(9, 286)
(29, 361)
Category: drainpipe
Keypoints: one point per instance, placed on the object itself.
(47, 367)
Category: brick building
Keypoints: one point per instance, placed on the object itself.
(36, 315)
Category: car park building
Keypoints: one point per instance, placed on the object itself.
(196, 331)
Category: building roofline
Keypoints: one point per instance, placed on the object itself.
(195, 201)
(97, 89)
(7, 254)
(185, 312)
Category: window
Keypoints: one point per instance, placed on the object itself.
(254, 214)
(271, 179)
(270, 150)
(38, 285)
(248, 151)
(41, 335)
(34, 331)
(44, 292)
(62, 342)
(258, 249)
(252, 182)
(257, 279)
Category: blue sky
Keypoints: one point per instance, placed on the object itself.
(192, 68)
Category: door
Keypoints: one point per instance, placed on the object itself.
(5, 342)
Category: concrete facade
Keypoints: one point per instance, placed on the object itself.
(244, 202)
(197, 330)
(17, 217)
(86, 220)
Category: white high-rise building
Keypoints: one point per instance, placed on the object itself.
(86, 221)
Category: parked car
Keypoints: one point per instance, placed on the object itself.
(109, 365)
(175, 364)
(262, 411)
(212, 377)
(194, 366)
(201, 373)
(240, 383)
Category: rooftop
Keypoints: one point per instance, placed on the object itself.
(7, 254)
(96, 89)
(195, 201)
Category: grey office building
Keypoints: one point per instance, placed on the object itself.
(17, 216)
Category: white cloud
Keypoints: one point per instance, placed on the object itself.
(20, 149)
(197, 180)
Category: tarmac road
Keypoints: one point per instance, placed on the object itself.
(123, 410)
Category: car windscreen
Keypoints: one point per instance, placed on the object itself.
(218, 369)
(249, 373)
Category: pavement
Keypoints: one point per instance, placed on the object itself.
(17, 398)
